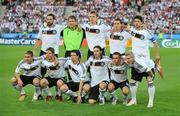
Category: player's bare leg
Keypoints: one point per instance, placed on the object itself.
(59, 96)
(125, 91)
(111, 88)
(44, 84)
(19, 88)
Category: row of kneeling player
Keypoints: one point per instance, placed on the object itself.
(86, 80)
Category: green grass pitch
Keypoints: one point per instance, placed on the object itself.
(167, 97)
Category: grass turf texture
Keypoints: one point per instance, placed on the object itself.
(167, 97)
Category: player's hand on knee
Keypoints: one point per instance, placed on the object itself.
(20, 83)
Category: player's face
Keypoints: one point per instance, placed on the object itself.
(49, 20)
(97, 53)
(49, 55)
(93, 18)
(137, 23)
(117, 24)
(115, 59)
(72, 23)
(28, 58)
(74, 57)
(129, 59)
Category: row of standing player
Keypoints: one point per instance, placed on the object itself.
(95, 32)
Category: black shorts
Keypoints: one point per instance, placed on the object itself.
(74, 86)
(139, 76)
(121, 84)
(94, 91)
(27, 79)
(53, 81)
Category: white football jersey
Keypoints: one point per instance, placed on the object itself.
(95, 34)
(55, 71)
(98, 69)
(140, 43)
(142, 66)
(118, 73)
(32, 69)
(50, 37)
(77, 72)
(118, 41)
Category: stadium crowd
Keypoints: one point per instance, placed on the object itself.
(160, 15)
(29, 16)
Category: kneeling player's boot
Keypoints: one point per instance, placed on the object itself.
(22, 97)
(48, 98)
(132, 102)
(101, 101)
(40, 97)
(59, 98)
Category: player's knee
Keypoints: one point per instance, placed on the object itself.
(92, 101)
(149, 79)
(13, 81)
(64, 88)
(44, 83)
(110, 87)
(102, 85)
(36, 82)
(60, 83)
(86, 87)
(125, 90)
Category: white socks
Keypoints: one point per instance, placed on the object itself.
(133, 88)
(151, 91)
(101, 93)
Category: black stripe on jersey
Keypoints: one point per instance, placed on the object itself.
(31, 69)
(119, 71)
(97, 31)
(74, 70)
(54, 67)
(116, 37)
(139, 36)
